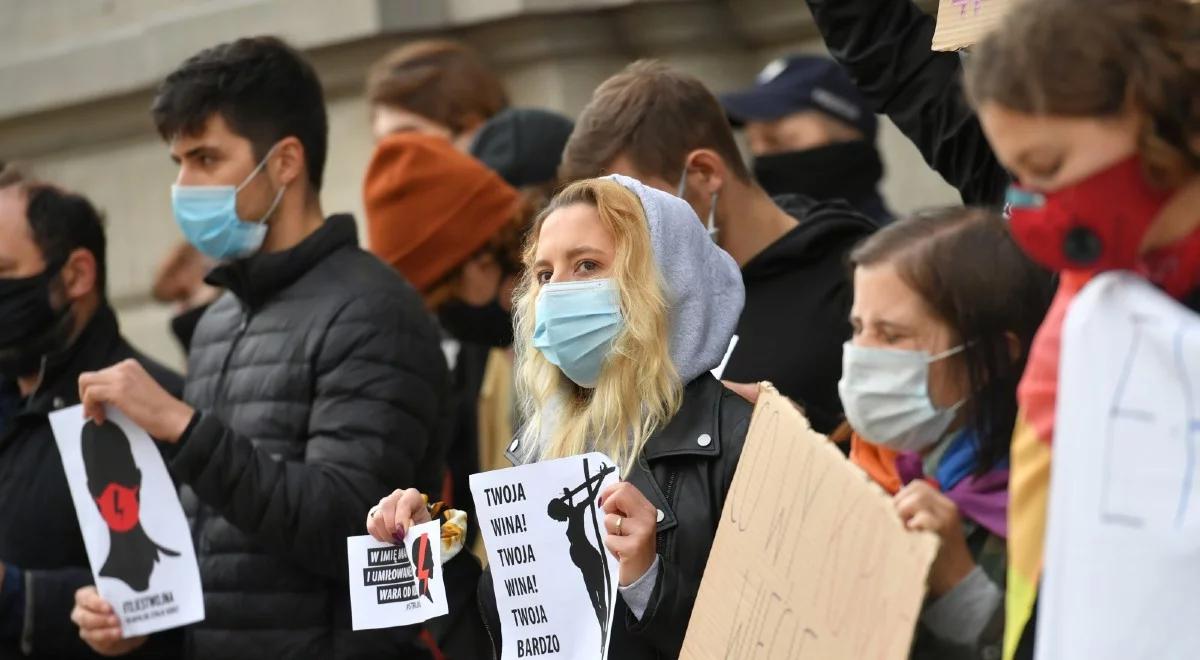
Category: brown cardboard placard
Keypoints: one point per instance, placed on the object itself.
(810, 560)
(961, 23)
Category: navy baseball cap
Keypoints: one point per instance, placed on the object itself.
(797, 83)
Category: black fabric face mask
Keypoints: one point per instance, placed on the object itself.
(32, 327)
(842, 170)
(488, 325)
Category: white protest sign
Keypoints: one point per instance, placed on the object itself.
(1122, 562)
(720, 369)
(555, 582)
(810, 558)
(137, 538)
(397, 584)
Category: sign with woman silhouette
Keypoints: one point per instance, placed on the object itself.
(133, 526)
(555, 582)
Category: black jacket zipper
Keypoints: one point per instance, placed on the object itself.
(668, 492)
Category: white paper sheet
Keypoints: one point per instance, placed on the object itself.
(140, 547)
(720, 369)
(555, 582)
(1122, 563)
(397, 584)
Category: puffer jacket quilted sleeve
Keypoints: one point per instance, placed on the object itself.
(375, 381)
(363, 439)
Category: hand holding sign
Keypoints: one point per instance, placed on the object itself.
(924, 509)
(396, 585)
(129, 388)
(631, 522)
(391, 519)
(99, 626)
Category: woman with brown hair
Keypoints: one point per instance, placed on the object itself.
(1094, 106)
(434, 86)
(945, 307)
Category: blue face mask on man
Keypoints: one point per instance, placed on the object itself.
(576, 325)
(209, 220)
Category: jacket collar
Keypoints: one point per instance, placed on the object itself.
(257, 278)
(91, 351)
(694, 430)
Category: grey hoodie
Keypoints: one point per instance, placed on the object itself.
(704, 292)
(704, 283)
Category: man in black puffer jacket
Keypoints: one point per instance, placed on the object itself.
(314, 384)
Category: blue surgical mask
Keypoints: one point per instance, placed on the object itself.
(885, 393)
(576, 325)
(209, 220)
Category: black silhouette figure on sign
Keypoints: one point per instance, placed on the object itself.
(588, 558)
(421, 557)
(115, 482)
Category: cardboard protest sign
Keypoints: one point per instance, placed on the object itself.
(1122, 558)
(554, 580)
(961, 23)
(810, 559)
(137, 538)
(397, 584)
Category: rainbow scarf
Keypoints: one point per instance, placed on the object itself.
(983, 499)
(1030, 488)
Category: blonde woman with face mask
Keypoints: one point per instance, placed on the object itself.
(625, 306)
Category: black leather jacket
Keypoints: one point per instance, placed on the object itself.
(685, 471)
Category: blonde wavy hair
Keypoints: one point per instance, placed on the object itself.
(639, 389)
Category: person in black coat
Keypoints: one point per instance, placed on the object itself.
(679, 434)
(313, 383)
(885, 47)
(811, 133)
(57, 325)
(667, 130)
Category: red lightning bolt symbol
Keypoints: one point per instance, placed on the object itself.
(422, 572)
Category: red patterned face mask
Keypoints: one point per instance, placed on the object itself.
(1094, 225)
(119, 506)
(1098, 224)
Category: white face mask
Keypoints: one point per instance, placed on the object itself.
(885, 393)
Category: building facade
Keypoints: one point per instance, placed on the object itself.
(78, 77)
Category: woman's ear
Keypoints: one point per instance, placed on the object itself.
(79, 274)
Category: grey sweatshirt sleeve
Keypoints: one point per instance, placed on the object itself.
(637, 595)
(969, 618)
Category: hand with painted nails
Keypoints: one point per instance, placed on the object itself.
(99, 626)
(395, 514)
